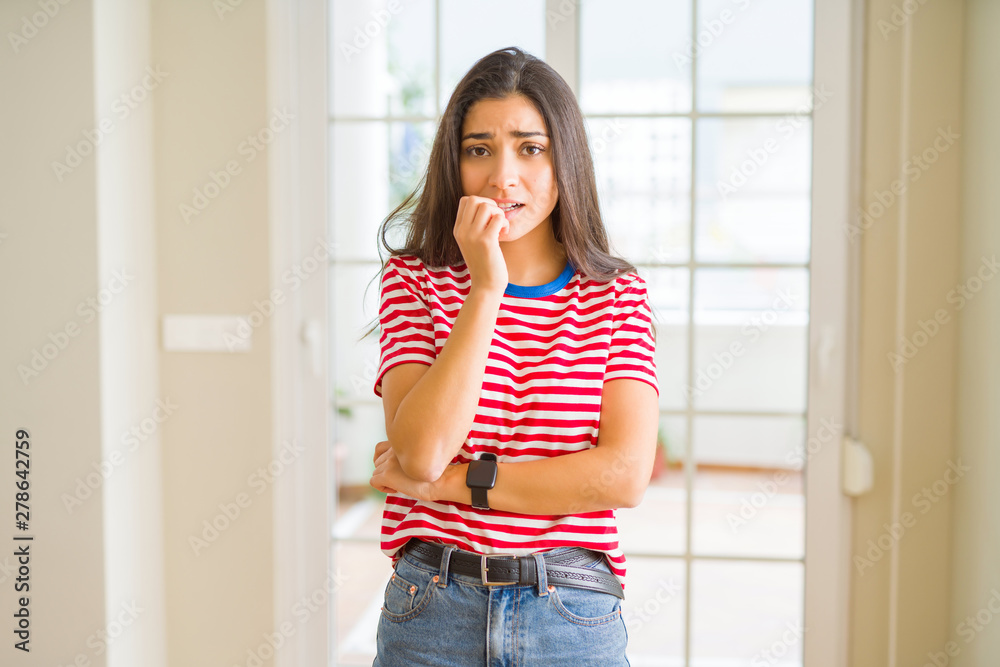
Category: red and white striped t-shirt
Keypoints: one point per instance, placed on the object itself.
(553, 348)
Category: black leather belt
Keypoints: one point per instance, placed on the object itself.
(565, 568)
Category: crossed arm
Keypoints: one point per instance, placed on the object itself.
(429, 412)
(613, 474)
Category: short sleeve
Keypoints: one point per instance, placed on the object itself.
(404, 317)
(632, 343)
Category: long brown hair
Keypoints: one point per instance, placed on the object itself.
(428, 213)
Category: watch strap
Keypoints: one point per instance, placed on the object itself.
(479, 498)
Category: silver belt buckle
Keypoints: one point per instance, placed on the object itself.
(484, 569)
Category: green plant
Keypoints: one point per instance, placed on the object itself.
(669, 447)
(344, 411)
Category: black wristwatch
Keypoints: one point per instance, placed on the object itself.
(481, 476)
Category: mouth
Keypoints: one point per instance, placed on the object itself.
(508, 205)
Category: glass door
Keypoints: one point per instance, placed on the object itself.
(701, 121)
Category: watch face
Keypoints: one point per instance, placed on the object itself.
(482, 474)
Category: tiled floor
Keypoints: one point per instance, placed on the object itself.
(742, 612)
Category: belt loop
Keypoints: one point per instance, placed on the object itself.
(543, 581)
(445, 561)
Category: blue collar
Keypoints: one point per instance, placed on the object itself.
(533, 291)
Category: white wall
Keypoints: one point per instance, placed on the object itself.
(175, 87)
(79, 287)
(220, 600)
(976, 538)
(48, 267)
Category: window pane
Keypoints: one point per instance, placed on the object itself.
(411, 60)
(740, 610)
(751, 346)
(643, 170)
(748, 497)
(668, 296)
(357, 429)
(374, 166)
(754, 56)
(360, 186)
(354, 363)
(657, 526)
(470, 29)
(753, 190)
(409, 152)
(382, 61)
(634, 56)
(754, 442)
(653, 610)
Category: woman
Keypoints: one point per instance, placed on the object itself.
(508, 329)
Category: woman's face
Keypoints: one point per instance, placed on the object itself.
(506, 155)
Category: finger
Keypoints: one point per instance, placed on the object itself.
(377, 482)
(462, 207)
(497, 225)
(471, 211)
(380, 487)
(485, 212)
(385, 457)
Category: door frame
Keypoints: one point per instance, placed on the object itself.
(297, 60)
(298, 80)
(833, 315)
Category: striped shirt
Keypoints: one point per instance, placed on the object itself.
(553, 347)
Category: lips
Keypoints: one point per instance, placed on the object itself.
(508, 204)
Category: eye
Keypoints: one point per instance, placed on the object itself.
(471, 150)
(534, 147)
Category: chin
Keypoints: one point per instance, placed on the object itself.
(512, 237)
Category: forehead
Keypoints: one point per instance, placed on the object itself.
(509, 113)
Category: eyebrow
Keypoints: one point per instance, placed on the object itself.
(519, 134)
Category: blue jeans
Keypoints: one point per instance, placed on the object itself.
(437, 618)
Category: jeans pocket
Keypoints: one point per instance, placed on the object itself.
(584, 607)
(406, 597)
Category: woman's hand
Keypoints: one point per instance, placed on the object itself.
(478, 227)
(390, 478)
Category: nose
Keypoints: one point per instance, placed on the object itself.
(504, 175)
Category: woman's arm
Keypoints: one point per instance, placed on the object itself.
(429, 410)
(612, 475)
